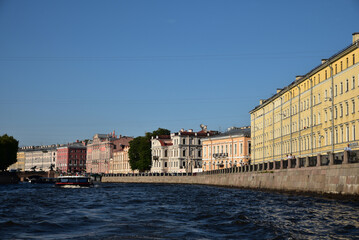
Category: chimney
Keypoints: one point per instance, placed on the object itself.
(355, 37)
(278, 90)
(182, 130)
(261, 101)
(324, 60)
(190, 130)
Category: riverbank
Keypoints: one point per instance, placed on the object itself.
(340, 180)
(8, 178)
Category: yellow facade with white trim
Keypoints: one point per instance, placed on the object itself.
(318, 113)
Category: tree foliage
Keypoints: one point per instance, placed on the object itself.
(140, 150)
(8, 151)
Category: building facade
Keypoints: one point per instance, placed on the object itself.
(101, 149)
(41, 158)
(20, 163)
(71, 158)
(225, 150)
(314, 117)
(120, 163)
(180, 152)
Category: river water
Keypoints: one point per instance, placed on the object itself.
(150, 211)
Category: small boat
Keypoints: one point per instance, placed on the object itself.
(74, 181)
(42, 180)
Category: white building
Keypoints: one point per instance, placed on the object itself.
(41, 157)
(180, 152)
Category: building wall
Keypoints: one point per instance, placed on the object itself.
(225, 152)
(318, 113)
(41, 158)
(20, 163)
(334, 179)
(71, 159)
(120, 163)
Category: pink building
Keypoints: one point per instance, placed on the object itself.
(100, 151)
(71, 158)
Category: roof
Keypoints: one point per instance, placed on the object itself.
(244, 132)
(306, 76)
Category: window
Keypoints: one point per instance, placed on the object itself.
(184, 141)
(318, 118)
(341, 110)
(341, 134)
(336, 69)
(341, 66)
(313, 100)
(341, 88)
(353, 59)
(347, 62)
(326, 75)
(347, 108)
(335, 90)
(319, 98)
(353, 104)
(335, 112)
(347, 133)
(235, 149)
(318, 78)
(325, 115)
(326, 94)
(353, 132)
(347, 85)
(240, 148)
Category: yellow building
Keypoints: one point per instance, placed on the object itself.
(315, 117)
(20, 164)
(226, 150)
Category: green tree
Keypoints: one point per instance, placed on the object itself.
(140, 150)
(8, 151)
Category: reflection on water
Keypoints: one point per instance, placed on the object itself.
(149, 211)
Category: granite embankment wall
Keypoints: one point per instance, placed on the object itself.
(334, 179)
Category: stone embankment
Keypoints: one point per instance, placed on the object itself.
(341, 179)
(8, 178)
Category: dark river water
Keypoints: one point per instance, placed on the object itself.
(150, 211)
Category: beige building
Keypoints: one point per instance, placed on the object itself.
(120, 162)
(314, 118)
(228, 149)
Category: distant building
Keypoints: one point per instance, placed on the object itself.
(101, 149)
(120, 163)
(40, 157)
(20, 163)
(180, 152)
(71, 158)
(228, 149)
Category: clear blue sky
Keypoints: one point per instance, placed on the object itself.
(71, 69)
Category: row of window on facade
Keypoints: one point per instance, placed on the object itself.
(305, 104)
(224, 149)
(190, 141)
(174, 164)
(342, 135)
(177, 153)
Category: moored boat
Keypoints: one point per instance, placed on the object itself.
(73, 181)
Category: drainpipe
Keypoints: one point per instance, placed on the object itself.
(299, 140)
(273, 131)
(290, 128)
(281, 128)
(332, 98)
(311, 113)
(263, 135)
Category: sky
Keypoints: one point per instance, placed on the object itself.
(71, 69)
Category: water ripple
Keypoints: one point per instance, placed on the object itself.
(145, 211)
